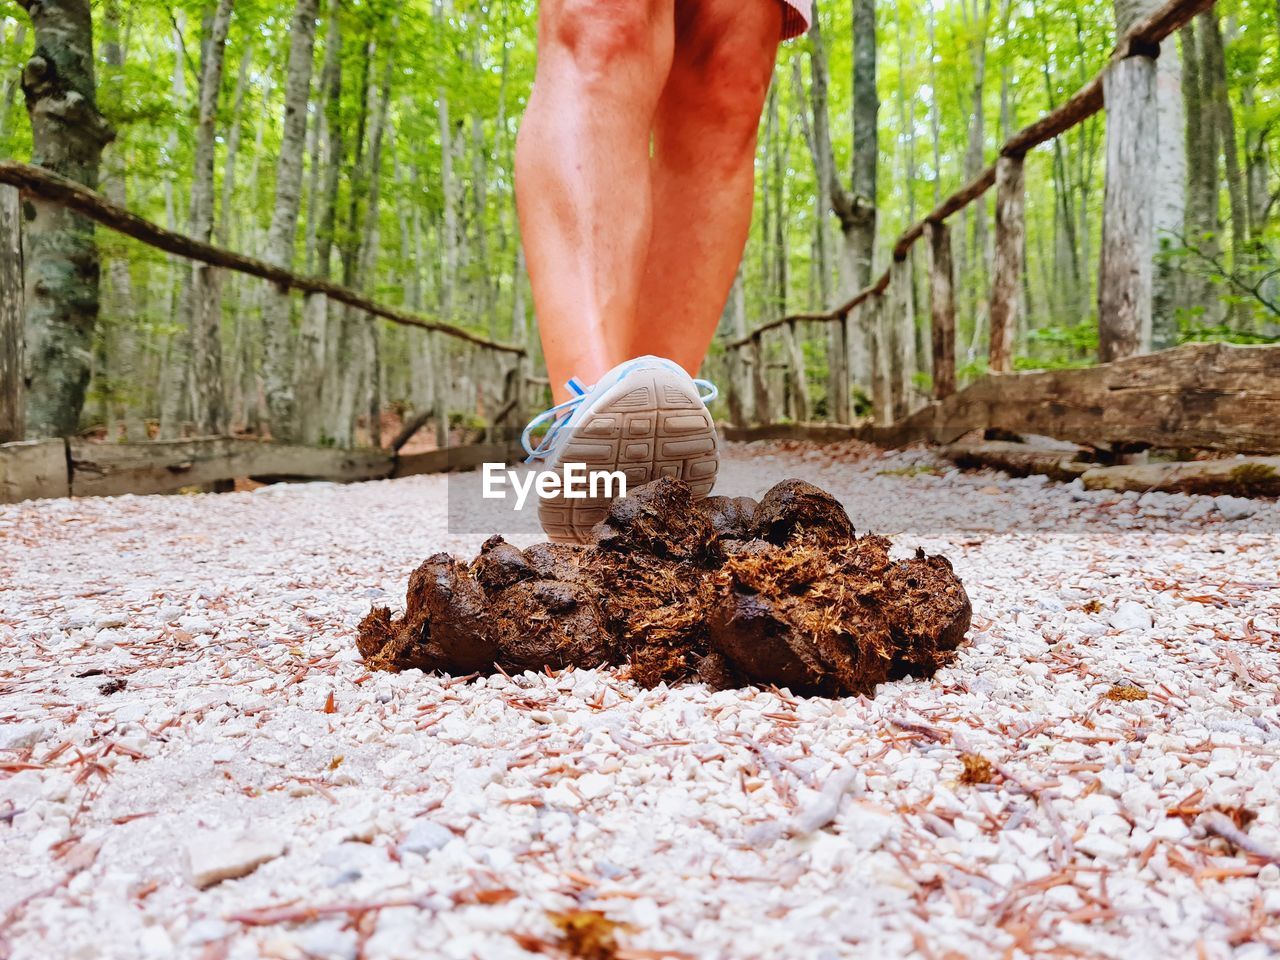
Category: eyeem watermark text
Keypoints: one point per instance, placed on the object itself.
(573, 481)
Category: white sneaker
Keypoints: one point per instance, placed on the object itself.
(646, 418)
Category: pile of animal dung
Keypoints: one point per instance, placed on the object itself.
(723, 590)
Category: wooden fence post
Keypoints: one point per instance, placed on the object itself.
(519, 415)
(760, 379)
(905, 322)
(842, 411)
(895, 325)
(799, 382)
(1128, 207)
(12, 407)
(1006, 278)
(878, 342)
(857, 344)
(838, 371)
(735, 396)
(891, 349)
(942, 309)
(440, 387)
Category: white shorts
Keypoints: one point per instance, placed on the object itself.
(796, 17)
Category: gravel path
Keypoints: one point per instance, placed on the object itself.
(180, 701)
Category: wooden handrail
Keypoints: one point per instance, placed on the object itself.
(953, 204)
(1158, 25)
(1141, 38)
(58, 189)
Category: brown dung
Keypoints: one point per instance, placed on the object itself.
(726, 591)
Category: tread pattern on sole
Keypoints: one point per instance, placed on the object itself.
(653, 426)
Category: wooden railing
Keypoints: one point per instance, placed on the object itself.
(1118, 403)
(879, 314)
(27, 468)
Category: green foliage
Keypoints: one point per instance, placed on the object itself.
(478, 57)
(1060, 346)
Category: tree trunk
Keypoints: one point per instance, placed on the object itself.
(1124, 280)
(479, 194)
(345, 345)
(320, 338)
(972, 250)
(1214, 84)
(820, 267)
(1169, 195)
(449, 194)
(854, 213)
(237, 376)
(935, 109)
(369, 244)
(777, 148)
(1255, 178)
(226, 206)
(174, 372)
(282, 235)
(11, 83)
(68, 135)
(1170, 198)
(12, 385)
(126, 353)
(199, 305)
(328, 141)
(312, 344)
(866, 150)
(1201, 224)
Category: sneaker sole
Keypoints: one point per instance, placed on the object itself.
(651, 424)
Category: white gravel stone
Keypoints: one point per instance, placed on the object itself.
(713, 824)
(1130, 615)
(1101, 846)
(822, 809)
(424, 837)
(19, 736)
(1235, 508)
(217, 855)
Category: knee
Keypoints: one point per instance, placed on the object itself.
(720, 85)
(601, 37)
(717, 94)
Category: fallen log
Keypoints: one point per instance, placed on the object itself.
(456, 458)
(1254, 477)
(1018, 459)
(1251, 477)
(161, 466)
(1205, 396)
(30, 469)
(813, 432)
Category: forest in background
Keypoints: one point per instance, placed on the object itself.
(381, 157)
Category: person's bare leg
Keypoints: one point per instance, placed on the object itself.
(582, 174)
(704, 172)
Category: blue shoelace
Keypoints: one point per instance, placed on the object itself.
(555, 414)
